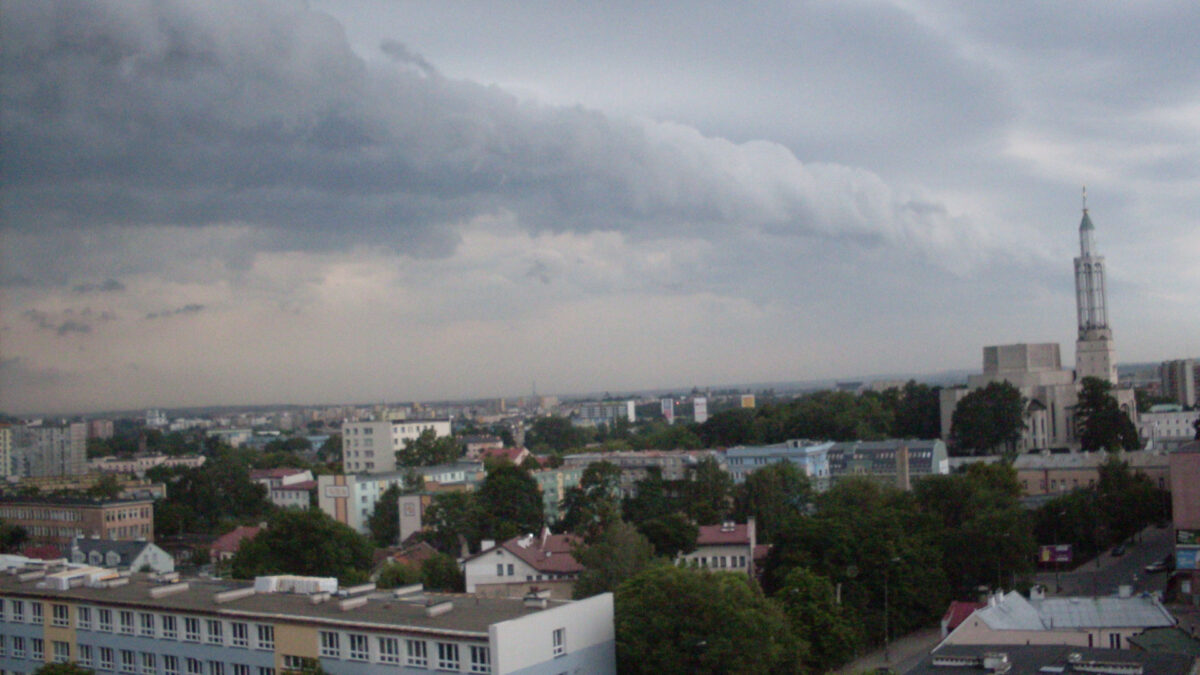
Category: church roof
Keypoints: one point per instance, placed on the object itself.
(1086, 223)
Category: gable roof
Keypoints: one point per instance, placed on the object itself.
(550, 553)
(128, 551)
(230, 541)
(723, 535)
(958, 613)
(1014, 612)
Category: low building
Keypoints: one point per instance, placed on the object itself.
(474, 445)
(127, 556)
(1022, 659)
(514, 567)
(226, 546)
(59, 520)
(810, 457)
(1105, 622)
(1167, 425)
(726, 547)
(1046, 473)
(895, 461)
(139, 464)
(143, 625)
(287, 488)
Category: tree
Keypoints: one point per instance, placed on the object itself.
(670, 535)
(829, 628)
(453, 522)
(384, 522)
(63, 669)
(331, 450)
(442, 573)
(306, 543)
(706, 492)
(510, 503)
(1101, 423)
(729, 428)
(681, 620)
(772, 495)
(591, 506)
(988, 418)
(429, 449)
(11, 537)
(917, 411)
(618, 553)
(555, 433)
(211, 498)
(398, 574)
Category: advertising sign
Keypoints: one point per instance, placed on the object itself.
(337, 491)
(1185, 558)
(1187, 537)
(1060, 553)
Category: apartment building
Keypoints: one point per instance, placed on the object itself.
(371, 447)
(140, 624)
(636, 465)
(350, 498)
(49, 450)
(810, 457)
(59, 520)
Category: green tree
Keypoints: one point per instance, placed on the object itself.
(618, 553)
(108, 487)
(510, 503)
(591, 506)
(441, 573)
(680, 620)
(671, 534)
(707, 492)
(652, 499)
(429, 449)
(397, 574)
(555, 433)
(453, 522)
(306, 543)
(384, 522)
(729, 428)
(331, 450)
(772, 495)
(829, 628)
(211, 498)
(1101, 423)
(988, 418)
(11, 537)
(63, 669)
(917, 411)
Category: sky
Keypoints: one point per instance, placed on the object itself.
(239, 202)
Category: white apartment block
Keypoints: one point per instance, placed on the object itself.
(371, 447)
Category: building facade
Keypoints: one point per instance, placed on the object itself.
(897, 462)
(206, 627)
(810, 457)
(371, 447)
(1178, 381)
(1185, 510)
(636, 465)
(59, 520)
(49, 450)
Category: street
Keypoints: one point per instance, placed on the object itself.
(1103, 575)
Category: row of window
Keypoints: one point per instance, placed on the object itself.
(416, 653)
(39, 513)
(124, 661)
(717, 561)
(145, 624)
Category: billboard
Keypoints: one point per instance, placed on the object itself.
(668, 410)
(1185, 558)
(1060, 553)
(1187, 537)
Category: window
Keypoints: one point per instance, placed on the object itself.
(241, 669)
(194, 667)
(447, 656)
(559, 639)
(126, 618)
(35, 611)
(149, 663)
(499, 569)
(264, 670)
(510, 569)
(83, 618)
(359, 649)
(389, 650)
(191, 629)
(214, 632)
(128, 661)
(216, 668)
(85, 655)
(266, 636)
(239, 634)
(3, 640)
(418, 655)
(481, 659)
(61, 616)
(147, 624)
(330, 644)
(170, 664)
(37, 649)
(18, 649)
(299, 662)
(18, 611)
(105, 620)
(106, 658)
(169, 627)
(62, 651)
(1, 609)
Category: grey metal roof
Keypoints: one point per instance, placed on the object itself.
(1014, 612)
(1043, 659)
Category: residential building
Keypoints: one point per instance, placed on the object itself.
(128, 556)
(1178, 381)
(636, 465)
(218, 627)
(234, 438)
(1185, 510)
(1105, 622)
(1022, 659)
(727, 547)
(473, 445)
(514, 567)
(139, 464)
(288, 488)
(1167, 426)
(6, 441)
(511, 455)
(226, 546)
(371, 446)
(606, 412)
(59, 520)
(350, 498)
(49, 449)
(554, 484)
(895, 461)
(811, 457)
(102, 429)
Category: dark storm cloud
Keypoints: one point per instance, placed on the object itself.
(106, 286)
(186, 309)
(182, 113)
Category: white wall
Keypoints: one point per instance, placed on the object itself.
(527, 641)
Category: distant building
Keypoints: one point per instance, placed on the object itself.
(371, 447)
(636, 465)
(286, 488)
(474, 445)
(725, 547)
(667, 405)
(897, 462)
(138, 465)
(1037, 659)
(6, 441)
(130, 556)
(607, 412)
(809, 456)
(700, 409)
(1178, 381)
(1056, 473)
(514, 567)
(1185, 509)
(49, 449)
(554, 484)
(1167, 426)
(156, 419)
(227, 545)
(59, 520)
(350, 498)
(511, 455)
(234, 438)
(101, 429)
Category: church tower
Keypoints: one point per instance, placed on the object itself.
(1095, 355)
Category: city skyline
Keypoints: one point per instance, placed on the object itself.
(257, 202)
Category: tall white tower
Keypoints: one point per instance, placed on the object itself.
(1095, 354)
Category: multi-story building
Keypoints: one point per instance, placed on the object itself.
(1185, 511)
(136, 624)
(516, 566)
(554, 484)
(139, 464)
(1167, 426)
(635, 465)
(1055, 473)
(287, 488)
(6, 439)
(102, 429)
(895, 461)
(809, 456)
(728, 546)
(350, 498)
(1178, 381)
(607, 412)
(371, 447)
(58, 520)
(49, 450)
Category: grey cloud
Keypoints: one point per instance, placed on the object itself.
(186, 309)
(189, 114)
(106, 286)
(67, 321)
(402, 54)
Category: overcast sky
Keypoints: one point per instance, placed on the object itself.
(250, 202)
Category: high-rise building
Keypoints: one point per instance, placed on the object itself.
(49, 450)
(1095, 354)
(1178, 380)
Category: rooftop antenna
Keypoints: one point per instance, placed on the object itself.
(1085, 199)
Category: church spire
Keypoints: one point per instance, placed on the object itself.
(1094, 352)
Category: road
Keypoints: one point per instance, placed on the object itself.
(1103, 575)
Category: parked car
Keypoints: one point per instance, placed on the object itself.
(1157, 566)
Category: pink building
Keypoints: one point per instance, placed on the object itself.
(1185, 504)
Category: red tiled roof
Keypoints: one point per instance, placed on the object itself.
(304, 486)
(718, 535)
(258, 474)
(511, 454)
(959, 611)
(761, 551)
(229, 542)
(551, 554)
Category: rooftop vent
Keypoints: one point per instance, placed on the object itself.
(236, 594)
(170, 589)
(408, 591)
(438, 607)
